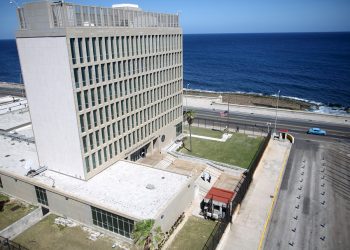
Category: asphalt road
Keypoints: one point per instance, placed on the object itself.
(313, 207)
(259, 122)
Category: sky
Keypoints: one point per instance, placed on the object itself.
(226, 16)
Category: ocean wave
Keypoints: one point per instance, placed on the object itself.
(317, 107)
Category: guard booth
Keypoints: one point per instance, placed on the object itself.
(283, 135)
(216, 204)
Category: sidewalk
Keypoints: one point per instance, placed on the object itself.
(246, 230)
(215, 103)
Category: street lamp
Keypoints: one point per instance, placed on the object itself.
(278, 97)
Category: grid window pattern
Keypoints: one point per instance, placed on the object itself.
(112, 222)
(41, 195)
(134, 89)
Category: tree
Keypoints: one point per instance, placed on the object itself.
(145, 235)
(190, 118)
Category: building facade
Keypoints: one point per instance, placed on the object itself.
(103, 84)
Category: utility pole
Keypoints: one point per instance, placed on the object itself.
(278, 97)
(228, 113)
(187, 94)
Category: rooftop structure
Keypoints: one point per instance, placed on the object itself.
(63, 15)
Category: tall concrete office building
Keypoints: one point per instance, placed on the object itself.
(103, 84)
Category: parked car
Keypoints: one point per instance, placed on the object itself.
(316, 131)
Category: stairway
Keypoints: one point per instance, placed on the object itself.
(165, 162)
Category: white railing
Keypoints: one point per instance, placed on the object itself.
(70, 15)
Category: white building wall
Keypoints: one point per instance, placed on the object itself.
(47, 77)
(173, 210)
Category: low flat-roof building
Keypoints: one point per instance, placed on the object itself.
(115, 199)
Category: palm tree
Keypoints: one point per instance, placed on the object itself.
(190, 118)
(146, 236)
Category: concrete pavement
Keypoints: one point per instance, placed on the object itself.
(246, 230)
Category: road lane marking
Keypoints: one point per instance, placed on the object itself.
(278, 185)
(302, 127)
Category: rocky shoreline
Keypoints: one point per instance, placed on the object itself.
(257, 100)
(16, 89)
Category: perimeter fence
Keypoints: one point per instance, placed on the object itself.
(6, 244)
(232, 127)
(240, 192)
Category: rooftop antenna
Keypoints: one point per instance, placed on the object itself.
(14, 2)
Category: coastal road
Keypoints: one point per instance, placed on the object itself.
(313, 206)
(17, 90)
(259, 122)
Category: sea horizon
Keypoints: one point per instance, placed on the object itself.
(302, 65)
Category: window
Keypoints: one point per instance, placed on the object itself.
(100, 47)
(91, 139)
(41, 195)
(96, 74)
(90, 75)
(94, 48)
(72, 49)
(83, 77)
(85, 144)
(87, 47)
(79, 100)
(76, 77)
(82, 126)
(93, 160)
(80, 50)
(86, 99)
(87, 164)
(112, 222)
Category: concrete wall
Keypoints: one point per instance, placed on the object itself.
(18, 189)
(22, 224)
(172, 211)
(47, 78)
(70, 208)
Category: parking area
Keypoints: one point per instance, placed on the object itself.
(313, 206)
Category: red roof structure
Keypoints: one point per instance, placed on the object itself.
(220, 195)
(283, 131)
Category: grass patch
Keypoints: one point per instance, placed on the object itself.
(194, 234)
(239, 150)
(4, 197)
(47, 235)
(204, 132)
(7, 216)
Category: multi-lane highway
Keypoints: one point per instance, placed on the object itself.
(295, 126)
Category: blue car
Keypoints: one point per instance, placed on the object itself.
(316, 131)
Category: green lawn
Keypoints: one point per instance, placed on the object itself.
(7, 216)
(204, 132)
(193, 235)
(239, 150)
(47, 235)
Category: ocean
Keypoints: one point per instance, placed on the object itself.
(314, 67)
